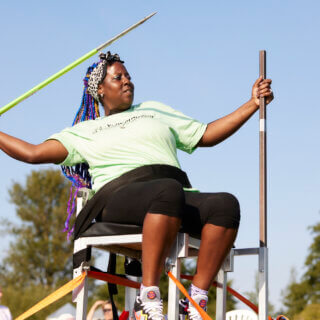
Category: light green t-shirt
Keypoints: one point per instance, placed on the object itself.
(147, 133)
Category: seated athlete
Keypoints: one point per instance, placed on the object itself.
(129, 158)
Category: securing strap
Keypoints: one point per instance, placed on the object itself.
(233, 292)
(141, 174)
(61, 292)
(203, 314)
(124, 315)
(83, 255)
(113, 279)
(132, 267)
(112, 288)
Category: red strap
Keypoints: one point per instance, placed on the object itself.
(124, 315)
(113, 279)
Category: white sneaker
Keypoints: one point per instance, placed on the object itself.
(201, 300)
(149, 305)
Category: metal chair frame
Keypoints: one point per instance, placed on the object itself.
(184, 246)
(130, 245)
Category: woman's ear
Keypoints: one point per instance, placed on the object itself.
(100, 90)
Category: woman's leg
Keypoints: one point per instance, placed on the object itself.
(159, 233)
(216, 216)
(216, 242)
(157, 205)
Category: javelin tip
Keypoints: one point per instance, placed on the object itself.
(149, 16)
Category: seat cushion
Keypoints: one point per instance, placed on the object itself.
(115, 229)
(110, 229)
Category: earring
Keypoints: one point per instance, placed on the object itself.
(101, 95)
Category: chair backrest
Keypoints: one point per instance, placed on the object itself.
(241, 315)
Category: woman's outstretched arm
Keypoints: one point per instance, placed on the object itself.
(50, 151)
(221, 129)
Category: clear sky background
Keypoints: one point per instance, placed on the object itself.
(200, 57)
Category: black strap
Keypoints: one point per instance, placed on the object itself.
(144, 173)
(83, 255)
(132, 267)
(112, 288)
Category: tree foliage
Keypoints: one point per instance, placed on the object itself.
(311, 312)
(40, 258)
(312, 275)
(299, 294)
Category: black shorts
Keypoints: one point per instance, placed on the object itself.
(132, 202)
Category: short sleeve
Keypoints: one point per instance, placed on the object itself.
(69, 140)
(186, 130)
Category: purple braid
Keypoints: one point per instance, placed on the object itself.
(89, 110)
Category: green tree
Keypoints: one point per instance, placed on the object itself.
(312, 276)
(40, 257)
(295, 295)
(311, 312)
(307, 291)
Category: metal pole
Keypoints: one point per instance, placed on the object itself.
(263, 157)
(70, 66)
(263, 250)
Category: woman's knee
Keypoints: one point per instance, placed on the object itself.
(223, 210)
(231, 204)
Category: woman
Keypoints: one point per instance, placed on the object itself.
(136, 138)
(106, 309)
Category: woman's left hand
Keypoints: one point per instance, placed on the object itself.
(222, 128)
(262, 88)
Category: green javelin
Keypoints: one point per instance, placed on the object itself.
(70, 66)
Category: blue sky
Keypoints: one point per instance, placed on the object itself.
(202, 59)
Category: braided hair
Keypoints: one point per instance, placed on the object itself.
(89, 110)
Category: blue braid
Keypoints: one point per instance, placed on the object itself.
(89, 110)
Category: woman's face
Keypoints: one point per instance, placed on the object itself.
(107, 311)
(117, 89)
